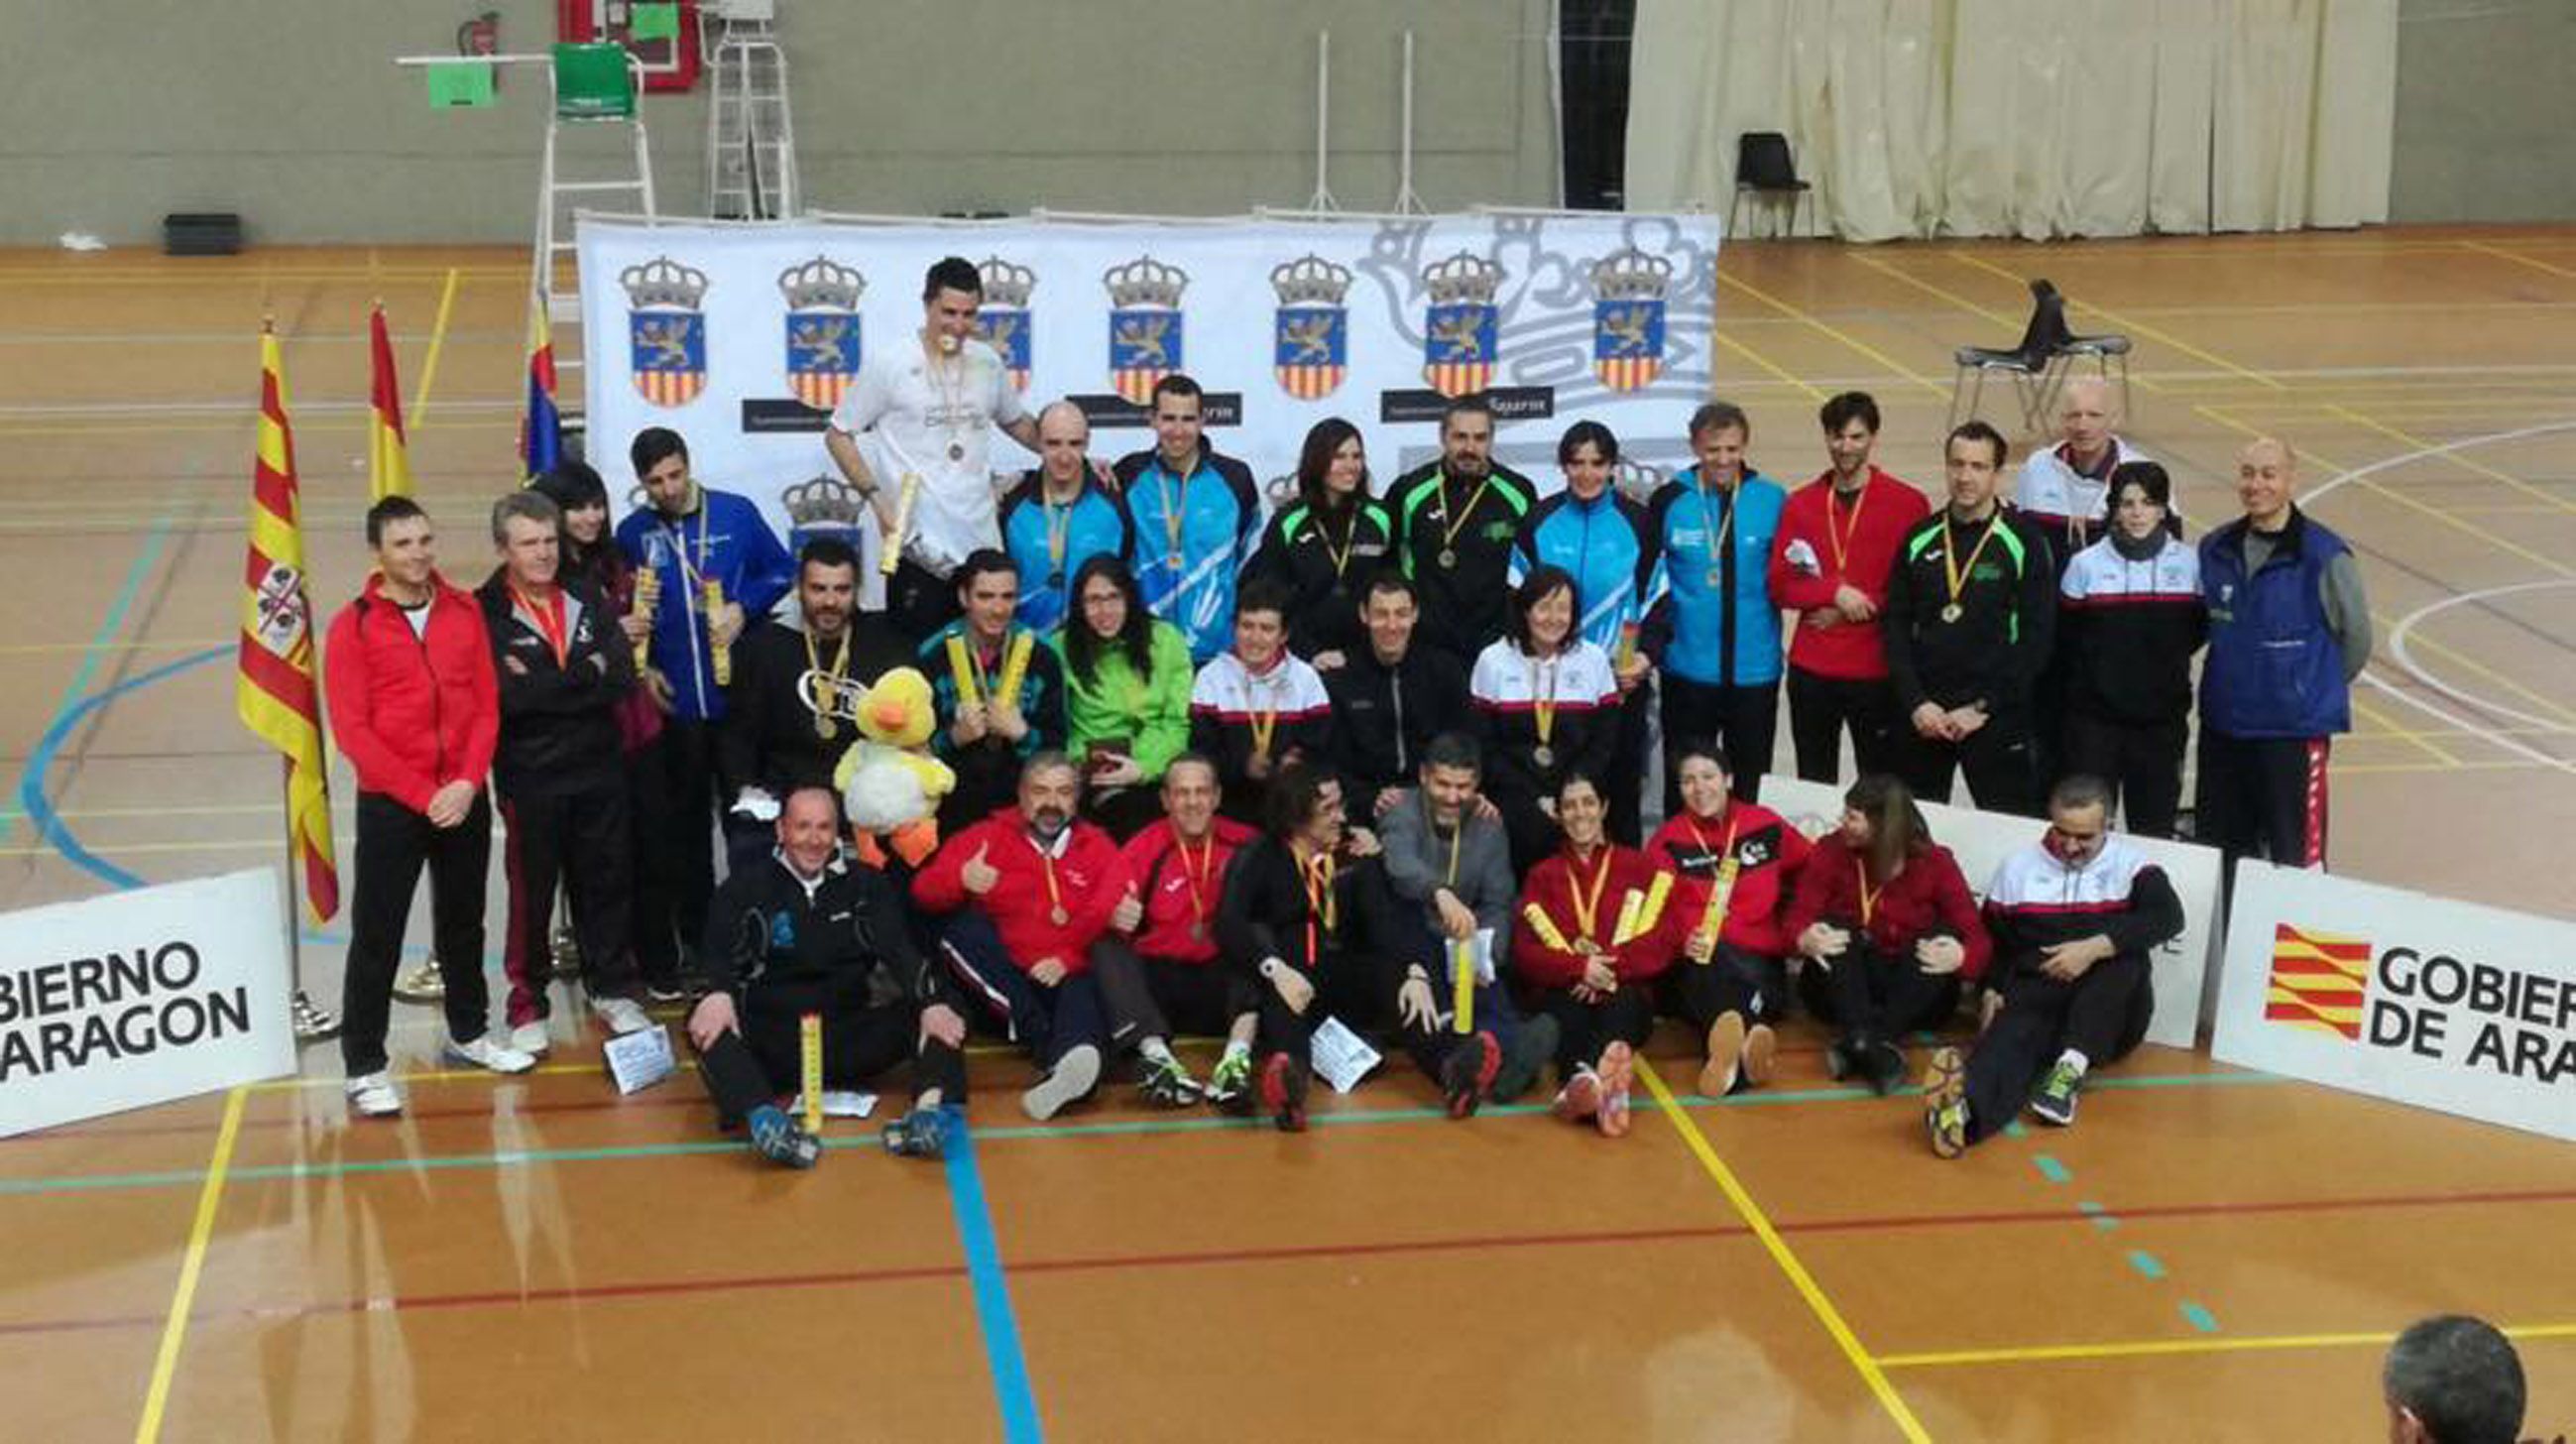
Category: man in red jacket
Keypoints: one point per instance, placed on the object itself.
(416, 709)
(1027, 892)
(1829, 566)
(1163, 971)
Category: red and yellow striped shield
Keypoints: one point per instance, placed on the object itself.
(2317, 981)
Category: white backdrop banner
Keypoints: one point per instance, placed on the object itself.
(141, 997)
(1982, 840)
(2446, 1005)
(740, 337)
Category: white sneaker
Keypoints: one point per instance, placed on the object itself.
(530, 1038)
(484, 1053)
(1075, 1074)
(622, 1015)
(374, 1096)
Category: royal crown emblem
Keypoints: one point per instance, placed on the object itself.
(826, 503)
(823, 339)
(1310, 338)
(1003, 320)
(1461, 331)
(666, 332)
(1144, 325)
(1628, 318)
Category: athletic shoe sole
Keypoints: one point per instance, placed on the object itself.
(1579, 1100)
(1618, 1075)
(1283, 1092)
(1761, 1052)
(1468, 1075)
(1074, 1076)
(1945, 1082)
(1725, 1052)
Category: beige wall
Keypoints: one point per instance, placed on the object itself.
(2486, 111)
(290, 113)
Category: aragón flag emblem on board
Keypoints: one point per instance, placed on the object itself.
(2317, 981)
(666, 332)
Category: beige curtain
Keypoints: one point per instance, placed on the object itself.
(2032, 118)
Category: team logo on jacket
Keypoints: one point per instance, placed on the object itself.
(1144, 325)
(822, 329)
(2317, 981)
(1311, 339)
(666, 331)
(1628, 318)
(1461, 331)
(1003, 320)
(782, 931)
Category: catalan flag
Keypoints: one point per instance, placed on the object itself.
(541, 429)
(2317, 981)
(388, 463)
(275, 693)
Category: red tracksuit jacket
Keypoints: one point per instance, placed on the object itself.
(1804, 574)
(1930, 896)
(1089, 880)
(1163, 876)
(1768, 853)
(412, 713)
(1551, 887)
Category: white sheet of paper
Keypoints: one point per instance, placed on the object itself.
(837, 1104)
(1339, 1056)
(638, 1060)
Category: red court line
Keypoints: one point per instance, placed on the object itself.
(1281, 1254)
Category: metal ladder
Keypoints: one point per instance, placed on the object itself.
(751, 132)
(558, 198)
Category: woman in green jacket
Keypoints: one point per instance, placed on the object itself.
(1127, 695)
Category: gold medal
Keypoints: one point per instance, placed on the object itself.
(1952, 612)
(1717, 577)
(1059, 916)
(826, 728)
(1543, 755)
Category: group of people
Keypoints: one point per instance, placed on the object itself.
(1376, 762)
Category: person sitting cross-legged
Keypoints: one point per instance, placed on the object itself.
(1025, 896)
(1597, 984)
(803, 932)
(1887, 929)
(2076, 918)
(1163, 971)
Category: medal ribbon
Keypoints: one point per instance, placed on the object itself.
(1956, 574)
(550, 620)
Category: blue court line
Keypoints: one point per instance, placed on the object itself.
(2102, 1217)
(2049, 1168)
(992, 1290)
(2199, 1318)
(32, 801)
(2146, 1263)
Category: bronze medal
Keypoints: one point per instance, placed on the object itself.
(1717, 576)
(1198, 932)
(1058, 916)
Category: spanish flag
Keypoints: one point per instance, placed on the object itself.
(388, 464)
(275, 693)
(541, 430)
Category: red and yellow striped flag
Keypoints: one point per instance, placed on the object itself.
(2318, 981)
(275, 692)
(388, 461)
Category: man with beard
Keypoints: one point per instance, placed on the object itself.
(1455, 522)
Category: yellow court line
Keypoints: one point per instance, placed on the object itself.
(2419, 638)
(1758, 359)
(2453, 457)
(174, 1330)
(1854, 342)
(2390, 729)
(2347, 769)
(437, 343)
(1950, 297)
(2142, 1348)
(1823, 1307)
(2498, 251)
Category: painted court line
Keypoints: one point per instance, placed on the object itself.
(1823, 1307)
(165, 1364)
(2149, 1348)
(992, 1292)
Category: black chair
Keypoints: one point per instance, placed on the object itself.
(2030, 362)
(1763, 166)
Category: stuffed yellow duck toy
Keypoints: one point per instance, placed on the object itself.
(890, 786)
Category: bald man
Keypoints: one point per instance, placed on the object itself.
(2289, 630)
(2066, 488)
(1058, 517)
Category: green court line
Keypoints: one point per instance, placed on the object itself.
(865, 1143)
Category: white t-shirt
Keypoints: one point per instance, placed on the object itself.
(938, 425)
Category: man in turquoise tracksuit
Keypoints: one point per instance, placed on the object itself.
(1715, 634)
(1197, 520)
(693, 538)
(1058, 517)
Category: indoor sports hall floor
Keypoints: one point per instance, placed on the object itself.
(2211, 1254)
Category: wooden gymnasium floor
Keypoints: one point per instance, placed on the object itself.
(2211, 1253)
